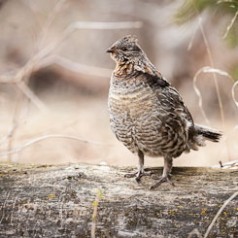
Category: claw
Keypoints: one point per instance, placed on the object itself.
(162, 180)
(131, 175)
(138, 175)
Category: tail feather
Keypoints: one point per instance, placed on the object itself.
(208, 133)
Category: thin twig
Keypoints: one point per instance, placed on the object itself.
(105, 25)
(227, 165)
(4, 139)
(21, 77)
(76, 67)
(51, 17)
(190, 44)
(214, 71)
(212, 65)
(82, 25)
(18, 80)
(44, 56)
(56, 136)
(26, 90)
(11, 138)
(233, 93)
(15, 123)
(230, 25)
(219, 213)
(78, 25)
(7, 79)
(197, 91)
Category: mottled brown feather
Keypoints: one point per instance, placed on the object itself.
(147, 114)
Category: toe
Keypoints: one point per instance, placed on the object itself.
(162, 180)
(130, 175)
(138, 179)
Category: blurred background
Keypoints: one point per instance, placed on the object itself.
(54, 74)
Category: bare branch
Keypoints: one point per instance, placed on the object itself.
(212, 65)
(206, 69)
(5, 138)
(104, 25)
(228, 165)
(219, 213)
(25, 89)
(56, 136)
(7, 79)
(76, 67)
(233, 93)
(230, 25)
(57, 8)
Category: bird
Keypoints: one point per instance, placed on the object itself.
(147, 114)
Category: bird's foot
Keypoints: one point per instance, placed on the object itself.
(163, 179)
(138, 175)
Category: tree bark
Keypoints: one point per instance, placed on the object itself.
(81, 200)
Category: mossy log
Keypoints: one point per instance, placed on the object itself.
(81, 200)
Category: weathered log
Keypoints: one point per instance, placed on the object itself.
(97, 201)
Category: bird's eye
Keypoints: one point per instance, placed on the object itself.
(124, 49)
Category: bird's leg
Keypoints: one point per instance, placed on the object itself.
(140, 173)
(168, 164)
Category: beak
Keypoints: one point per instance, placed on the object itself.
(110, 50)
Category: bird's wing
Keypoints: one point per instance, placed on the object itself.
(169, 98)
(156, 80)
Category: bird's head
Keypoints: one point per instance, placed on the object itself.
(125, 50)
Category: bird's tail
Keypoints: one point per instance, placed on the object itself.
(208, 133)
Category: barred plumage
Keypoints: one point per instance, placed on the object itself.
(146, 113)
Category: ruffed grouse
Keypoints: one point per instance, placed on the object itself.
(147, 114)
